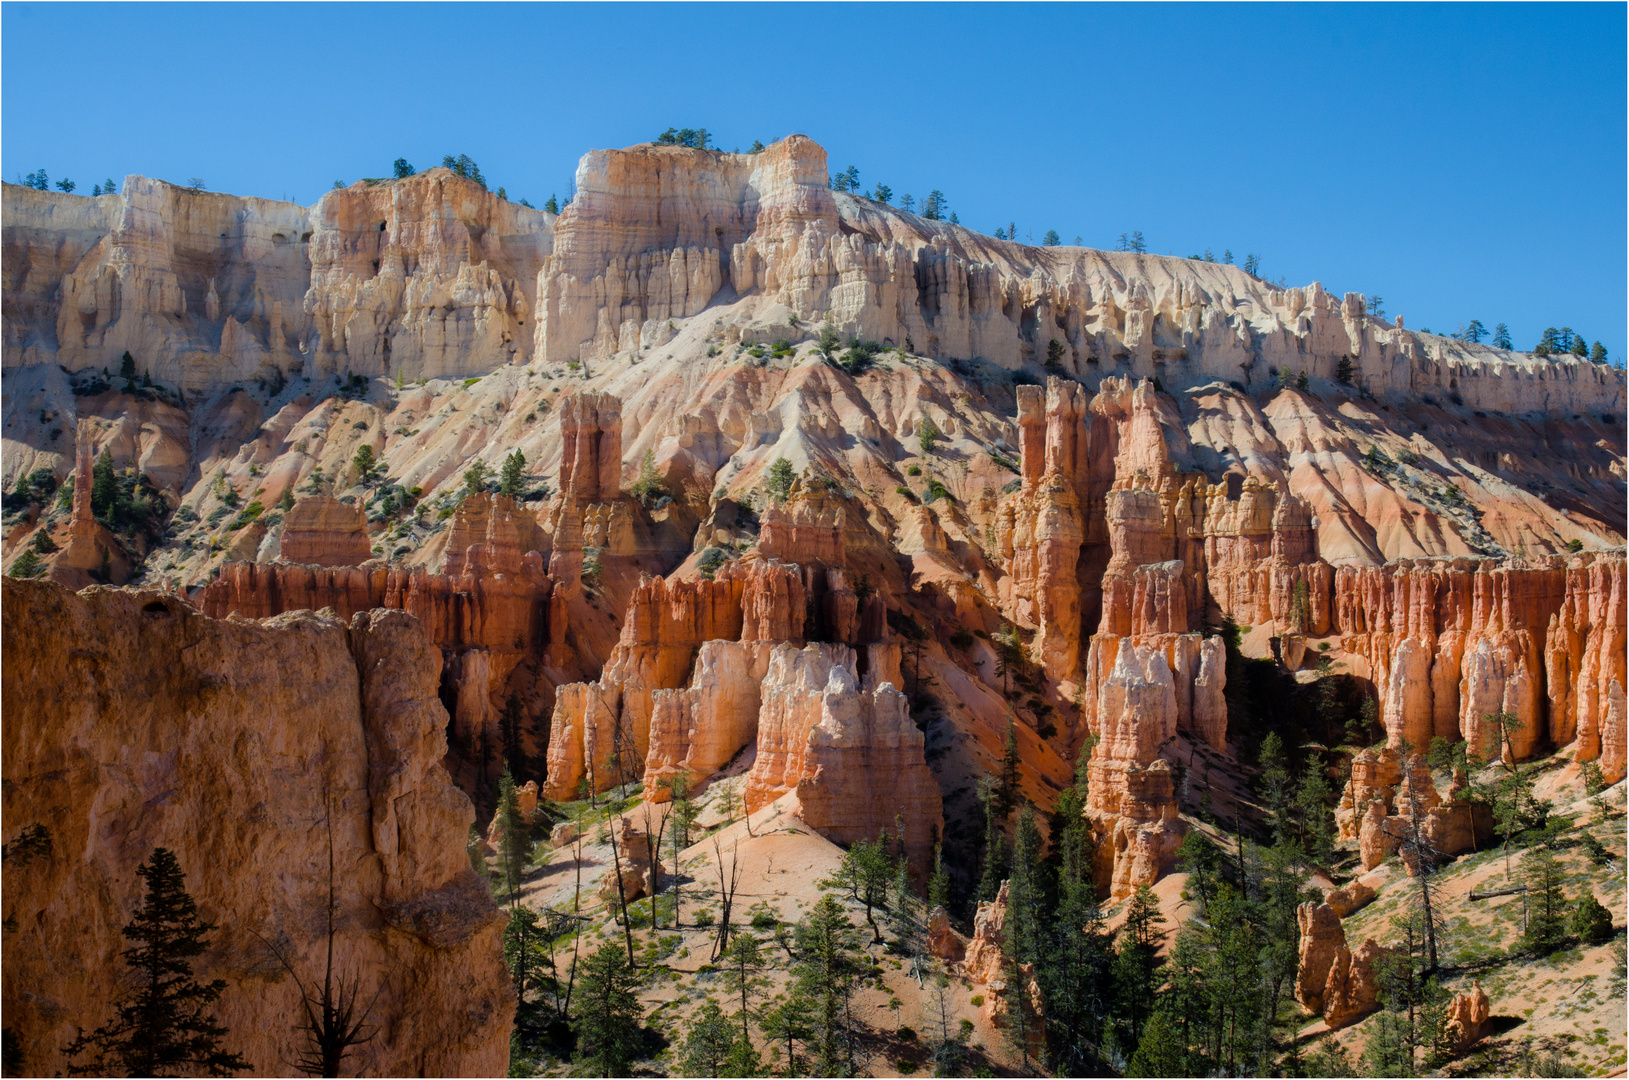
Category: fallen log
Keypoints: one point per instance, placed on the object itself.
(1499, 892)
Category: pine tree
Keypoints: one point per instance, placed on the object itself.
(997, 858)
(104, 487)
(1579, 348)
(865, 873)
(401, 169)
(789, 1023)
(1343, 371)
(1024, 927)
(1501, 337)
(1591, 922)
(1314, 820)
(743, 966)
(365, 464)
(1274, 783)
(26, 565)
(1161, 1051)
(707, 1041)
(927, 434)
(515, 836)
(605, 1012)
(825, 970)
(935, 206)
(1134, 962)
(513, 476)
(1546, 904)
(1076, 968)
(163, 1024)
(127, 370)
(553, 205)
(1597, 353)
(1051, 239)
(939, 882)
(286, 503)
(1475, 331)
(780, 478)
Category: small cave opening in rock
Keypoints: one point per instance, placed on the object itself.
(156, 608)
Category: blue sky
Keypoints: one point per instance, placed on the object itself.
(1464, 161)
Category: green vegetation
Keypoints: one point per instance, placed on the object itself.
(163, 1021)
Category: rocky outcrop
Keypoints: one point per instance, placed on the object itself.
(428, 276)
(92, 552)
(243, 747)
(943, 941)
(591, 447)
(1332, 979)
(1349, 897)
(846, 746)
(1380, 802)
(640, 869)
(1131, 798)
(1584, 662)
(1449, 641)
(323, 531)
(986, 963)
(1470, 1018)
(699, 728)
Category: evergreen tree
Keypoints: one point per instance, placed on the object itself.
(365, 464)
(825, 970)
(127, 370)
(865, 874)
(757, 147)
(104, 487)
(1475, 332)
(779, 481)
(1007, 794)
(935, 206)
(997, 858)
(1591, 922)
(939, 882)
(1051, 239)
(927, 434)
(1343, 371)
(1135, 960)
(1054, 355)
(1161, 1051)
(513, 476)
(26, 565)
(526, 955)
(286, 503)
(475, 477)
(1501, 337)
(882, 193)
(553, 205)
(744, 963)
(605, 1012)
(707, 1041)
(1274, 783)
(1546, 905)
(1579, 348)
(515, 836)
(1076, 973)
(1199, 858)
(1314, 820)
(1597, 353)
(402, 169)
(164, 1025)
(789, 1023)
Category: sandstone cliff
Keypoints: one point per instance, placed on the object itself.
(133, 721)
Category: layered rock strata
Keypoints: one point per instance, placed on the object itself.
(1449, 642)
(245, 747)
(322, 531)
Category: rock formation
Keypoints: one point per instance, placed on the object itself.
(1380, 801)
(232, 743)
(1584, 663)
(1469, 1018)
(1449, 642)
(1332, 979)
(92, 552)
(323, 531)
(985, 963)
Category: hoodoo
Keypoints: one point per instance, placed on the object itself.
(733, 534)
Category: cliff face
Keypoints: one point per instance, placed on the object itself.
(133, 721)
(427, 276)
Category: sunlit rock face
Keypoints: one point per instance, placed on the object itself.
(247, 748)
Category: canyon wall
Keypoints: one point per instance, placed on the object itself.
(134, 722)
(1450, 641)
(432, 275)
(656, 232)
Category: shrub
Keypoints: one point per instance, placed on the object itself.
(914, 470)
(962, 639)
(704, 917)
(978, 1001)
(936, 491)
(710, 561)
(905, 491)
(1591, 922)
(1575, 545)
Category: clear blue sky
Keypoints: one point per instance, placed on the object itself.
(1464, 161)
